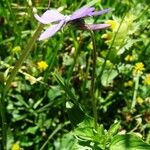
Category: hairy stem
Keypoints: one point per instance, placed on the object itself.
(59, 127)
(3, 126)
(93, 79)
(24, 55)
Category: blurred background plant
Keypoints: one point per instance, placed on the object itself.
(40, 102)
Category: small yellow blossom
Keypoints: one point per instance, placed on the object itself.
(147, 79)
(138, 68)
(15, 147)
(139, 100)
(42, 65)
(113, 23)
(16, 49)
(129, 58)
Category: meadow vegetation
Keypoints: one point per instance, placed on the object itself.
(79, 89)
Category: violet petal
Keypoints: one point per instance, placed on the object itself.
(97, 13)
(49, 16)
(51, 31)
(82, 12)
(96, 26)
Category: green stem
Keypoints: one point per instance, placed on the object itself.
(13, 16)
(3, 120)
(53, 133)
(109, 52)
(135, 91)
(24, 55)
(93, 78)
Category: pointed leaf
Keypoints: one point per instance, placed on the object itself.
(128, 142)
(113, 129)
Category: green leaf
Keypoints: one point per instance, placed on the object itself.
(65, 86)
(85, 131)
(25, 141)
(87, 122)
(32, 130)
(113, 129)
(54, 92)
(39, 101)
(108, 77)
(67, 142)
(128, 142)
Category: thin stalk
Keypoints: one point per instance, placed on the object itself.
(13, 16)
(109, 50)
(24, 55)
(135, 91)
(86, 76)
(93, 79)
(59, 127)
(3, 120)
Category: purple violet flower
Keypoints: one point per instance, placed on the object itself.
(53, 16)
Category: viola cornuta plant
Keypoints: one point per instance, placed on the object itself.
(84, 94)
(59, 20)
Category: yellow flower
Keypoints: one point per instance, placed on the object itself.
(42, 65)
(147, 79)
(15, 147)
(139, 100)
(113, 23)
(16, 49)
(129, 58)
(138, 68)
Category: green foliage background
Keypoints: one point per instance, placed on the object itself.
(45, 108)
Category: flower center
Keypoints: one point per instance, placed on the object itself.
(67, 18)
